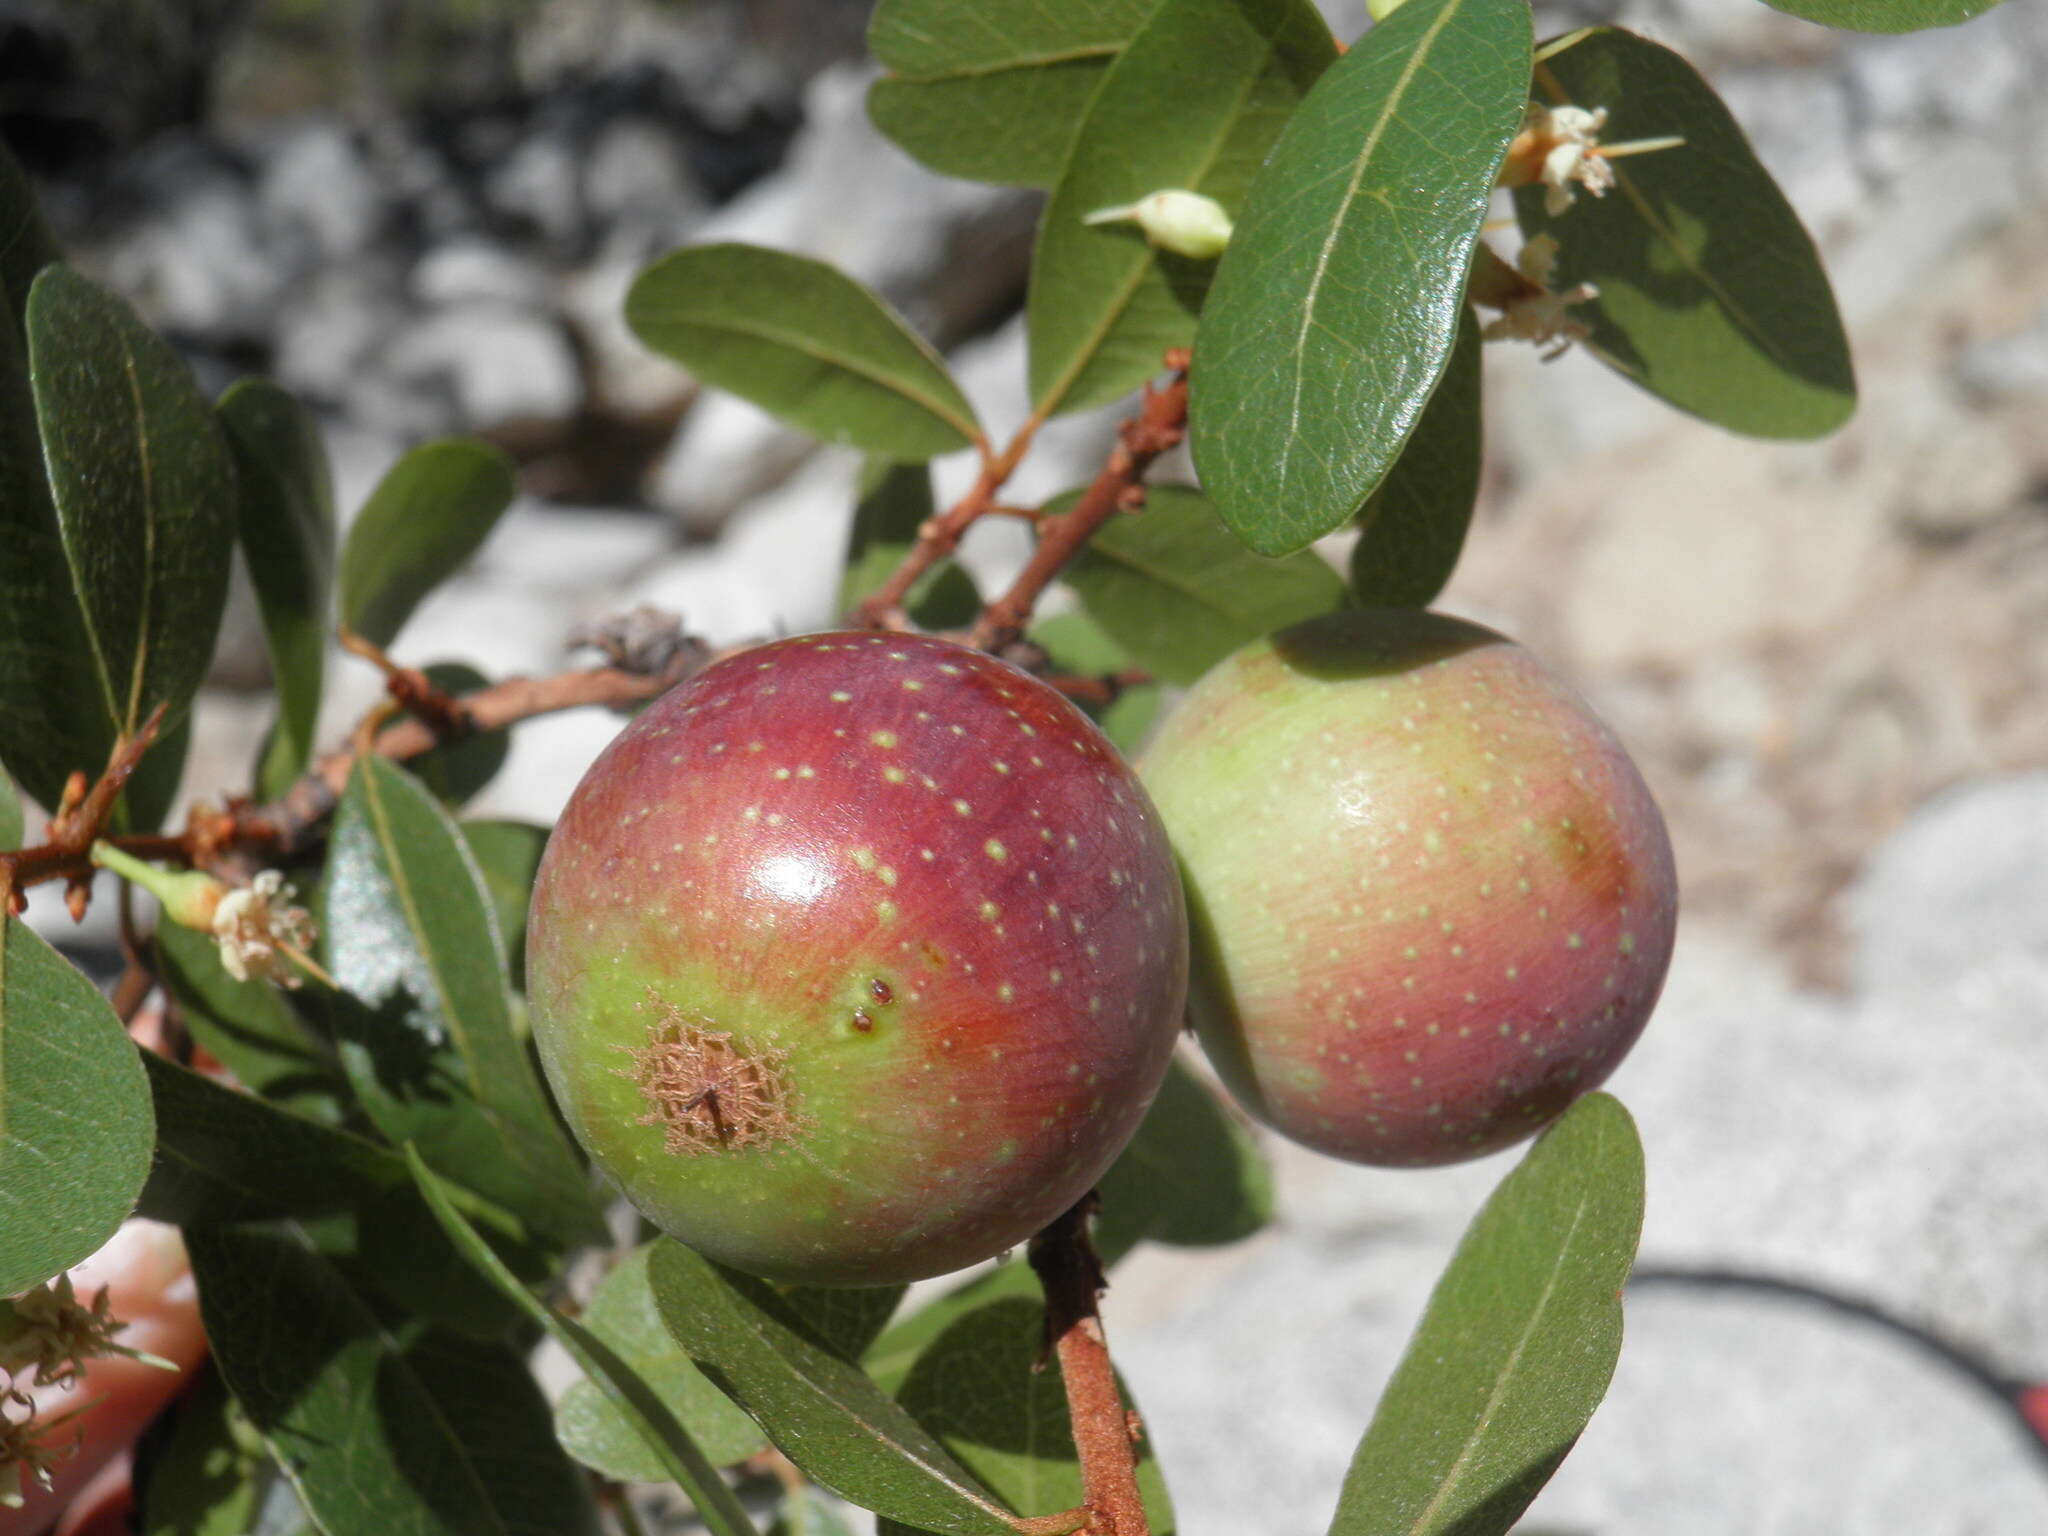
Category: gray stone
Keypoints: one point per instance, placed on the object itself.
(538, 183)
(197, 261)
(320, 187)
(466, 270)
(726, 453)
(634, 174)
(334, 325)
(501, 363)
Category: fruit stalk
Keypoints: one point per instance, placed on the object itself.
(1104, 1432)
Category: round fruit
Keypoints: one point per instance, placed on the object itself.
(1433, 900)
(857, 958)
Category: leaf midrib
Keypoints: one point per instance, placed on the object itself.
(1080, 53)
(726, 325)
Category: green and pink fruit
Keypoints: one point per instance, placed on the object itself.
(857, 958)
(1432, 898)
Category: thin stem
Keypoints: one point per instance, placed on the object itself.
(1160, 424)
(1104, 1430)
(940, 536)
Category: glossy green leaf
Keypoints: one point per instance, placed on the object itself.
(227, 1156)
(819, 1408)
(1884, 15)
(432, 510)
(26, 243)
(459, 771)
(895, 501)
(980, 1388)
(507, 855)
(1333, 309)
(53, 717)
(249, 1027)
(1179, 592)
(623, 1315)
(600, 1434)
(1080, 648)
(1193, 1175)
(991, 89)
(401, 1253)
(805, 342)
(287, 539)
(423, 1020)
(1193, 103)
(1712, 295)
(1413, 527)
(75, 1123)
(1517, 1346)
(679, 1456)
(144, 490)
(384, 1427)
(13, 824)
(212, 1475)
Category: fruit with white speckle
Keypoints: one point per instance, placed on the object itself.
(1432, 898)
(857, 958)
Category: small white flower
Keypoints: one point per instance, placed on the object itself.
(1539, 314)
(1186, 223)
(261, 933)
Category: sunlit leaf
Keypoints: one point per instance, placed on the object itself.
(818, 1406)
(1179, 592)
(805, 342)
(1712, 295)
(991, 89)
(507, 855)
(1413, 527)
(13, 825)
(1192, 104)
(1884, 15)
(212, 1475)
(1334, 308)
(75, 1122)
(1517, 1346)
(423, 1019)
(432, 510)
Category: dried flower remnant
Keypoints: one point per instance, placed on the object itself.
(261, 931)
(47, 1335)
(708, 1094)
(1530, 309)
(1560, 148)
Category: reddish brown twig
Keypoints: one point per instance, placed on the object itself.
(80, 819)
(1104, 1432)
(1101, 691)
(1159, 425)
(940, 536)
(413, 691)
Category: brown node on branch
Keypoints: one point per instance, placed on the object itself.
(648, 642)
(708, 1092)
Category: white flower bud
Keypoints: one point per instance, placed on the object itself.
(1185, 223)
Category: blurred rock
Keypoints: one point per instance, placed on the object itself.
(320, 189)
(501, 363)
(468, 270)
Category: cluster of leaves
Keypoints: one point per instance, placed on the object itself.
(380, 1204)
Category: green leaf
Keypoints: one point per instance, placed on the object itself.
(213, 1475)
(1883, 15)
(26, 243)
(391, 1428)
(895, 501)
(432, 510)
(1193, 1175)
(507, 855)
(980, 1388)
(13, 825)
(890, 1359)
(1335, 305)
(52, 716)
(457, 772)
(144, 491)
(1179, 592)
(1518, 1343)
(804, 1512)
(249, 1027)
(679, 1455)
(1079, 648)
(804, 342)
(991, 90)
(1413, 526)
(599, 1433)
(1711, 293)
(287, 538)
(623, 1315)
(1193, 103)
(424, 1019)
(75, 1123)
(819, 1407)
(226, 1156)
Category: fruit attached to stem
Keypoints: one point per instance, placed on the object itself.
(857, 958)
(1433, 900)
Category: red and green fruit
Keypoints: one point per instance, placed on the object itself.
(1432, 899)
(857, 958)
